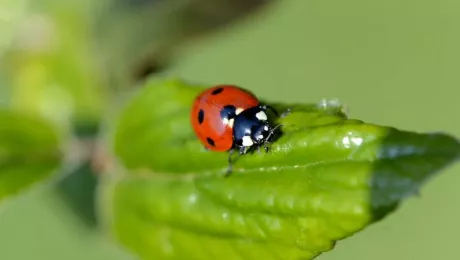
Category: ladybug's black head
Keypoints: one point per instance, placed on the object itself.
(260, 132)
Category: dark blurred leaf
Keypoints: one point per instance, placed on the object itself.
(78, 191)
(326, 178)
(78, 188)
(135, 35)
(29, 152)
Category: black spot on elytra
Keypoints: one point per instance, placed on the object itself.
(200, 116)
(210, 141)
(228, 112)
(217, 91)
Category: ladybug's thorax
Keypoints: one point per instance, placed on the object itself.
(250, 127)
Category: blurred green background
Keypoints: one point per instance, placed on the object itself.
(392, 62)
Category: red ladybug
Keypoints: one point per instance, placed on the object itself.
(227, 117)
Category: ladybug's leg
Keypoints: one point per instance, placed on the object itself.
(242, 150)
(260, 146)
(266, 147)
(229, 167)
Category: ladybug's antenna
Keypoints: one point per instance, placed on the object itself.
(269, 135)
(273, 131)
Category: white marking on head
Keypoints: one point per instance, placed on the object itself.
(260, 137)
(239, 110)
(261, 116)
(266, 128)
(228, 122)
(247, 141)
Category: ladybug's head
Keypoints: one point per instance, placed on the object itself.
(260, 132)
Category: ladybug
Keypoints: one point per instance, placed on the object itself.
(229, 118)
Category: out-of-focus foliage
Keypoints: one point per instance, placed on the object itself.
(29, 152)
(11, 12)
(67, 58)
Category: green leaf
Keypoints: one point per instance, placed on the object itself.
(323, 180)
(29, 152)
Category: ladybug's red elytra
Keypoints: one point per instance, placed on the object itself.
(227, 117)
